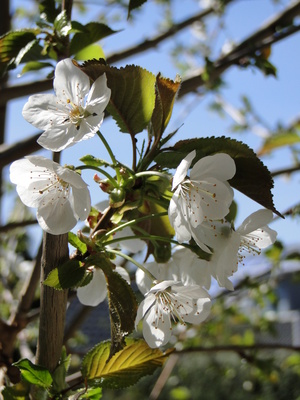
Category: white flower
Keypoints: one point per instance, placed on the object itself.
(75, 113)
(167, 302)
(95, 291)
(205, 196)
(59, 194)
(252, 236)
(255, 234)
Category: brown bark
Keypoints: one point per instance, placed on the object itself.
(53, 303)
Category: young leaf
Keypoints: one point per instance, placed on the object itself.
(126, 367)
(34, 374)
(94, 162)
(60, 372)
(252, 177)
(166, 91)
(279, 140)
(68, 275)
(93, 32)
(48, 10)
(76, 242)
(62, 25)
(132, 94)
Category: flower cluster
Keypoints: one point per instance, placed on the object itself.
(73, 114)
(176, 291)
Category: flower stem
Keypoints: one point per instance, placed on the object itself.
(101, 171)
(128, 258)
(111, 154)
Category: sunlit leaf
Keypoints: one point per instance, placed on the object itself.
(93, 32)
(279, 140)
(34, 374)
(126, 367)
(252, 177)
(76, 242)
(62, 25)
(132, 94)
(68, 275)
(94, 161)
(166, 91)
(11, 44)
(89, 52)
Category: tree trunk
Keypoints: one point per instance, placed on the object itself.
(53, 303)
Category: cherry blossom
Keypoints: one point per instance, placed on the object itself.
(167, 302)
(206, 195)
(74, 113)
(59, 194)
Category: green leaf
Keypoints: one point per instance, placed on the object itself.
(279, 140)
(90, 394)
(93, 32)
(19, 391)
(132, 94)
(68, 275)
(94, 162)
(61, 24)
(11, 44)
(60, 372)
(49, 10)
(34, 374)
(166, 91)
(89, 52)
(126, 367)
(121, 300)
(252, 177)
(134, 4)
(34, 66)
(77, 243)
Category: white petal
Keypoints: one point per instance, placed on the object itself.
(56, 218)
(182, 169)
(220, 166)
(131, 245)
(98, 96)
(144, 307)
(58, 138)
(95, 291)
(201, 311)
(43, 111)
(70, 82)
(255, 220)
(81, 202)
(157, 331)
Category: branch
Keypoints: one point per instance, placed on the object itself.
(238, 349)
(267, 35)
(13, 225)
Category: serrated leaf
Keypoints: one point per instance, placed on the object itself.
(34, 374)
(126, 367)
(134, 4)
(279, 140)
(166, 91)
(121, 300)
(252, 177)
(67, 276)
(34, 66)
(11, 44)
(93, 32)
(132, 94)
(76, 242)
(61, 24)
(89, 52)
(94, 161)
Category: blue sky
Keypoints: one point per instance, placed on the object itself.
(276, 100)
